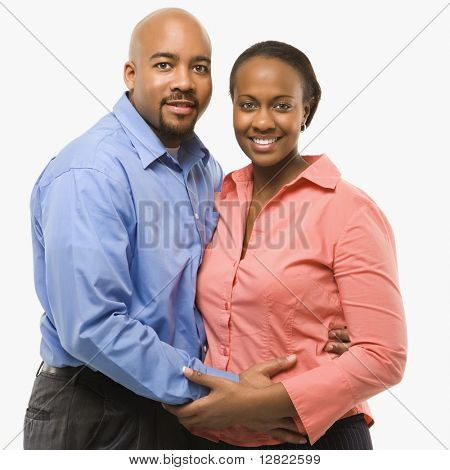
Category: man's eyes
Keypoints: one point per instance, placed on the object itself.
(162, 65)
(199, 68)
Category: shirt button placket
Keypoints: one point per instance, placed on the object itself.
(195, 209)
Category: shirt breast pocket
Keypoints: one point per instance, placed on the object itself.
(298, 313)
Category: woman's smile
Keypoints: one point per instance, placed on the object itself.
(268, 110)
(264, 143)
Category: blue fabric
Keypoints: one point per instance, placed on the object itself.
(119, 228)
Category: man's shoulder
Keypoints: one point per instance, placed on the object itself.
(98, 149)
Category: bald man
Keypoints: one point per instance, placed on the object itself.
(120, 218)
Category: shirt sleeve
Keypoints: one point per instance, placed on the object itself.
(87, 219)
(365, 270)
(218, 180)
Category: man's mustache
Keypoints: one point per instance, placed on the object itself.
(181, 97)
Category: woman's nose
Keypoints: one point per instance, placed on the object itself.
(263, 120)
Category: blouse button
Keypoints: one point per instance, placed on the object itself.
(227, 305)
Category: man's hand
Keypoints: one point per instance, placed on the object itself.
(339, 341)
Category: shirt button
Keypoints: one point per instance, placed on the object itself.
(227, 305)
(224, 351)
(196, 215)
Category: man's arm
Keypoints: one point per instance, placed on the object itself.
(87, 218)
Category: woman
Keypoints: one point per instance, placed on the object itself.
(297, 252)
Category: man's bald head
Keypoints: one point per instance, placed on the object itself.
(163, 21)
(168, 73)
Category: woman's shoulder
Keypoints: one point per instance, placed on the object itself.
(353, 195)
(358, 207)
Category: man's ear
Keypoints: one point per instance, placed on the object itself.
(129, 74)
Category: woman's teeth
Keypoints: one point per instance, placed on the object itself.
(264, 141)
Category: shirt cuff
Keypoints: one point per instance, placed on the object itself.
(222, 374)
(320, 396)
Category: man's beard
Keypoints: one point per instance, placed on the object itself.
(180, 131)
(171, 131)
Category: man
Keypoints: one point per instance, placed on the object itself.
(120, 220)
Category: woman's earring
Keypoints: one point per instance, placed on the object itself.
(303, 127)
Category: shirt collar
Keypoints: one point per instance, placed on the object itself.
(145, 141)
(195, 147)
(321, 171)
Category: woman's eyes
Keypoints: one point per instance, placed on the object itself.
(283, 106)
(248, 106)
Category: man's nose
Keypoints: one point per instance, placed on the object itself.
(182, 80)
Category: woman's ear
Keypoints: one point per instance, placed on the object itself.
(306, 111)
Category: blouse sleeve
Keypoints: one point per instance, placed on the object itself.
(365, 270)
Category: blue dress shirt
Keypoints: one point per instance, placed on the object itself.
(119, 228)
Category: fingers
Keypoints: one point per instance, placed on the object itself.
(340, 341)
(180, 411)
(340, 334)
(189, 410)
(276, 365)
(285, 435)
(337, 348)
(203, 379)
(288, 424)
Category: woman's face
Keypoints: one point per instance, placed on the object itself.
(268, 110)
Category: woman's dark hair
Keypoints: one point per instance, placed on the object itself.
(291, 56)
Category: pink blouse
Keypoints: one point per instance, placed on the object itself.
(321, 255)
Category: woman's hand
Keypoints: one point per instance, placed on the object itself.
(224, 406)
(260, 375)
(339, 341)
(230, 403)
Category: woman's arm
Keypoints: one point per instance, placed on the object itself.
(365, 270)
(254, 402)
(230, 404)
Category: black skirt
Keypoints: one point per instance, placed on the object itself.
(350, 433)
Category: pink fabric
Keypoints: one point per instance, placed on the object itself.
(321, 255)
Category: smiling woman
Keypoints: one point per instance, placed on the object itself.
(279, 287)
(266, 118)
(275, 102)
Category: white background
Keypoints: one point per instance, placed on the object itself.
(391, 141)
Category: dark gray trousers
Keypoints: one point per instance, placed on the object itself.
(82, 409)
(87, 410)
